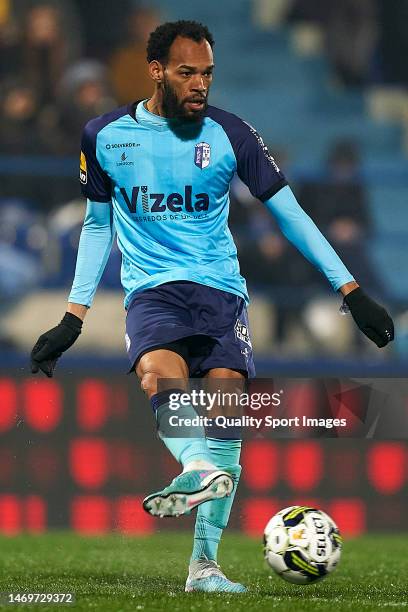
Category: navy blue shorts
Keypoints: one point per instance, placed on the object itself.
(208, 327)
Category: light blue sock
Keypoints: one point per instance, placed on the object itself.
(212, 516)
(184, 449)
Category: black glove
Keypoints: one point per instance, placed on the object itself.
(373, 320)
(50, 346)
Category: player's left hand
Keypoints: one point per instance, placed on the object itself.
(373, 320)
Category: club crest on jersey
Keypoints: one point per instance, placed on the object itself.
(202, 155)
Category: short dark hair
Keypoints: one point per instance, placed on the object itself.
(161, 39)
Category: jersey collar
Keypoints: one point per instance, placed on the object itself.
(141, 115)
(150, 120)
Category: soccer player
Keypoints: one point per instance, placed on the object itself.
(157, 172)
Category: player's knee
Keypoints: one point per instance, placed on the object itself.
(171, 370)
(148, 383)
(153, 382)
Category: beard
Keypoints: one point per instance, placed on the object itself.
(175, 109)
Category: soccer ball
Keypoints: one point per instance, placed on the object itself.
(302, 544)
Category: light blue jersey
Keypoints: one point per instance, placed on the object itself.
(168, 186)
(163, 186)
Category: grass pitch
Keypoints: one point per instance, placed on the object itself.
(116, 573)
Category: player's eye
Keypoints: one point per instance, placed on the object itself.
(186, 74)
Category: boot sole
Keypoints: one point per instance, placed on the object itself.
(215, 486)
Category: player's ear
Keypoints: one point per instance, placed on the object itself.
(156, 71)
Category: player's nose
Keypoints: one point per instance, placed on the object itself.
(198, 84)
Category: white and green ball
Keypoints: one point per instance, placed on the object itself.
(302, 544)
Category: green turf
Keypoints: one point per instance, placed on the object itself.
(115, 573)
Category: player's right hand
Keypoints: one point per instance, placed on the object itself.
(50, 346)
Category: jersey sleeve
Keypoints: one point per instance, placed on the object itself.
(95, 245)
(95, 183)
(255, 165)
(300, 230)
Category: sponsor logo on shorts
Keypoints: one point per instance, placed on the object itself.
(242, 332)
(127, 342)
(83, 174)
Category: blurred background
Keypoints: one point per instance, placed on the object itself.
(326, 85)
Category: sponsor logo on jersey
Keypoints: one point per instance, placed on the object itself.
(263, 146)
(121, 145)
(83, 174)
(242, 332)
(202, 155)
(161, 202)
(124, 161)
